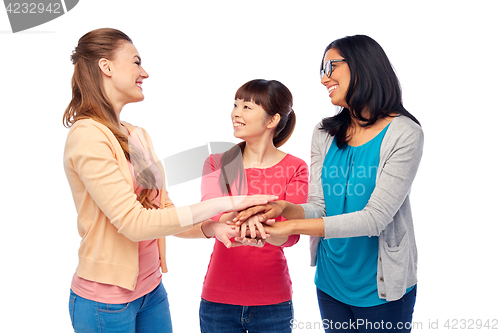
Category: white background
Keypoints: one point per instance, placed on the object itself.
(197, 54)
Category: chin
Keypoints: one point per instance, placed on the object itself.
(138, 99)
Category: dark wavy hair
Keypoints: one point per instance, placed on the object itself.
(275, 98)
(373, 86)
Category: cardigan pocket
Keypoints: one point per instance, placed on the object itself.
(395, 267)
(402, 245)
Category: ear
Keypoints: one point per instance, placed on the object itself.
(275, 120)
(104, 65)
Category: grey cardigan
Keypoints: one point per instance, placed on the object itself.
(387, 214)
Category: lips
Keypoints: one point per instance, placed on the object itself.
(237, 124)
(139, 84)
(332, 88)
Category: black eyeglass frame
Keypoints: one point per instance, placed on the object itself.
(329, 64)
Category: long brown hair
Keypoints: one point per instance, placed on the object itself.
(275, 98)
(89, 101)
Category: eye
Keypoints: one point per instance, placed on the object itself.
(138, 63)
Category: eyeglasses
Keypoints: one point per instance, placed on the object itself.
(328, 69)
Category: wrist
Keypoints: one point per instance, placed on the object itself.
(285, 207)
(206, 229)
(293, 227)
(277, 240)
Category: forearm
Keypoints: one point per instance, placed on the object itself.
(292, 211)
(311, 227)
(206, 209)
(204, 230)
(195, 232)
(277, 240)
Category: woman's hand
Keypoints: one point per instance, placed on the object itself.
(311, 227)
(253, 234)
(253, 226)
(268, 211)
(221, 231)
(246, 241)
(241, 202)
(280, 229)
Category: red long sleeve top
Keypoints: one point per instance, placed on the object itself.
(249, 275)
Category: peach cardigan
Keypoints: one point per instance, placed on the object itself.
(110, 219)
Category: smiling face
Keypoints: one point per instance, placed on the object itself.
(338, 83)
(126, 75)
(250, 120)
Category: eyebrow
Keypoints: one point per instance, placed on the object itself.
(136, 56)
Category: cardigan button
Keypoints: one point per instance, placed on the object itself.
(382, 295)
(381, 279)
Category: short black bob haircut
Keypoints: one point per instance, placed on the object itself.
(373, 86)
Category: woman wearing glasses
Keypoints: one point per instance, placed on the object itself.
(364, 160)
(118, 190)
(248, 288)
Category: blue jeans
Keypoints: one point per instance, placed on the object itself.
(147, 314)
(228, 318)
(394, 316)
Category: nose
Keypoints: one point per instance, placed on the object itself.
(235, 113)
(144, 74)
(324, 79)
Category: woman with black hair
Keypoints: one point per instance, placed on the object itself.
(364, 160)
(248, 289)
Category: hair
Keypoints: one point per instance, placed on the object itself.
(373, 86)
(275, 98)
(89, 100)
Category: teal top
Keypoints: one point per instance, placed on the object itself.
(347, 267)
(388, 212)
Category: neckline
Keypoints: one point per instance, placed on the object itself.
(367, 142)
(272, 166)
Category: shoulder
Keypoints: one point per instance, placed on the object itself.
(403, 129)
(319, 134)
(88, 130)
(403, 133)
(89, 138)
(321, 140)
(213, 162)
(318, 129)
(294, 166)
(87, 125)
(403, 124)
(294, 160)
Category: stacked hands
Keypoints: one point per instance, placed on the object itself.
(251, 226)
